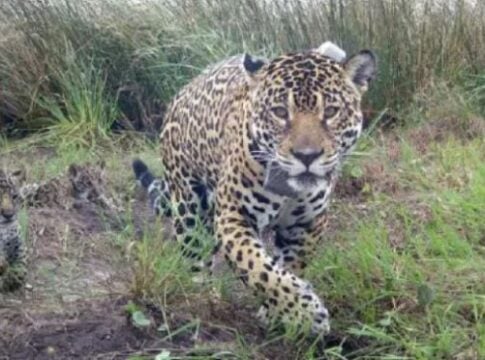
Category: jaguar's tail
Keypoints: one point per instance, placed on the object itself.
(156, 188)
(142, 173)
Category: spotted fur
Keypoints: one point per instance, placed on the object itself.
(252, 145)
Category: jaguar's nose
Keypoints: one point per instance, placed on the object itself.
(307, 157)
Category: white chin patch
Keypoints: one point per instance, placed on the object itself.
(281, 182)
(299, 186)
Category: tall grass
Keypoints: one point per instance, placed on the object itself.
(144, 52)
(81, 112)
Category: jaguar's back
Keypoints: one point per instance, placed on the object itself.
(198, 119)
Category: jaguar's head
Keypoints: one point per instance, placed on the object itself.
(9, 199)
(305, 114)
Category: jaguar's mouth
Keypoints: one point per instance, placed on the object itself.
(281, 183)
(305, 181)
(308, 178)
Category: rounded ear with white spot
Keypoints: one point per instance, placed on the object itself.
(252, 65)
(361, 69)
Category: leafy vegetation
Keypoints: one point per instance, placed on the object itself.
(142, 52)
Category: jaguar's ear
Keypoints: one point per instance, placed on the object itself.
(361, 69)
(252, 66)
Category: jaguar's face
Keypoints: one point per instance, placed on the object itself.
(306, 115)
(8, 199)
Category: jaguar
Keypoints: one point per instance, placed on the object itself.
(13, 269)
(252, 145)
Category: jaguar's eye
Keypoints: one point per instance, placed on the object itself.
(330, 112)
(280, 112)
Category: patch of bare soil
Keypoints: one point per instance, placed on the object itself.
(72, 306)
(92, 330)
